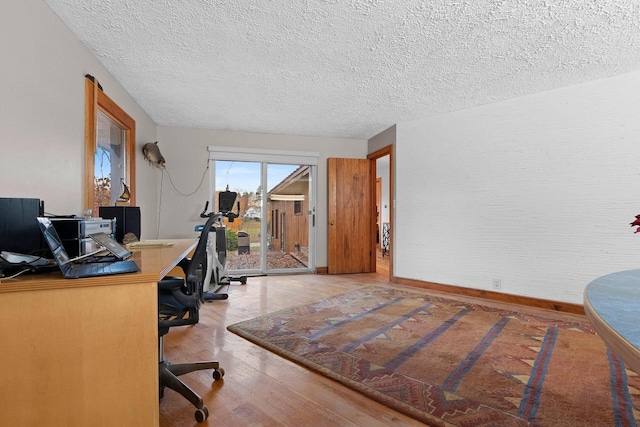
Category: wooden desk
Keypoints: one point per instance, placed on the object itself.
(83, 352)
(612, 303)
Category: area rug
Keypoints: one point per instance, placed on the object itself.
(448, 362)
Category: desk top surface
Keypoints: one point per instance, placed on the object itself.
(615, 299)
(154, 263)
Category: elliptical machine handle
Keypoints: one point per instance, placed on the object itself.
(203, 214)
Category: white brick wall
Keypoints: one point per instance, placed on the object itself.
(536, 191)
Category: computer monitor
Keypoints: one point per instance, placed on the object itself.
(19, 230)
(226, 199)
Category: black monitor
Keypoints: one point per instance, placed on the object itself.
(226, 199)
(19, 229)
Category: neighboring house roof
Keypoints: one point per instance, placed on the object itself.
(297, 183)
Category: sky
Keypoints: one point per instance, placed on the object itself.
(102, 163)
(245, 176)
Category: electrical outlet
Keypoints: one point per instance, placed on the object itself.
(497, 284)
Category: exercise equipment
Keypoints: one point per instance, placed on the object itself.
(215, 266)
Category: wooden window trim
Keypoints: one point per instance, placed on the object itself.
(96, 99)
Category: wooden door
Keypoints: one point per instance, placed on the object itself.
(350, 233)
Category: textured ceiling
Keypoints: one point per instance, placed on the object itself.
(346, 68)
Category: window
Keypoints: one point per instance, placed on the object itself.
(273, 223)
(297, 207)
(109, 150)
(285, 176)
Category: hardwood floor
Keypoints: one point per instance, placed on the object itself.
(260, 388)
(382, 262)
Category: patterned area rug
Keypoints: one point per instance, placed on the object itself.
(452, 363)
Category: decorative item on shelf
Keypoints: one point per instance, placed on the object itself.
(125, 197)
(152, 153)
(386, 236)
(129, 238)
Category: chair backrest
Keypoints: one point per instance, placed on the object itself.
(195, 272)
(181, 305)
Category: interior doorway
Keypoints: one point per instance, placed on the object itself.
(383, 212)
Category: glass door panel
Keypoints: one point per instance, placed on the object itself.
(109, 162)
(244, 253)
(275, 231)
(288, 216)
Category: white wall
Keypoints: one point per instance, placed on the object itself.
(42, 110)
(536, 191)
(185, 150)
(382, 171)
(383, 139)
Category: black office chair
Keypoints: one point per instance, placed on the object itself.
(179, 301)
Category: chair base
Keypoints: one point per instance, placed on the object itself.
(212, 296)
(168, 377)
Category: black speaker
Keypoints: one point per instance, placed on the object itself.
(127, 219)
(19, 229)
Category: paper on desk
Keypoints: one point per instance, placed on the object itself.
(150, 244)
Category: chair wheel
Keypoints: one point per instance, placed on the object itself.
(218, 374)
(202, 414)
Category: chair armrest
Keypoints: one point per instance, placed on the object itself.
(184, 264)
(174, 285)
(169, 283)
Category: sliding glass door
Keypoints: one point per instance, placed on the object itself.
(243, 234)
(274, 232)
(288, 213)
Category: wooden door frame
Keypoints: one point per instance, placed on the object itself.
(378, 212)
(385, 151)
